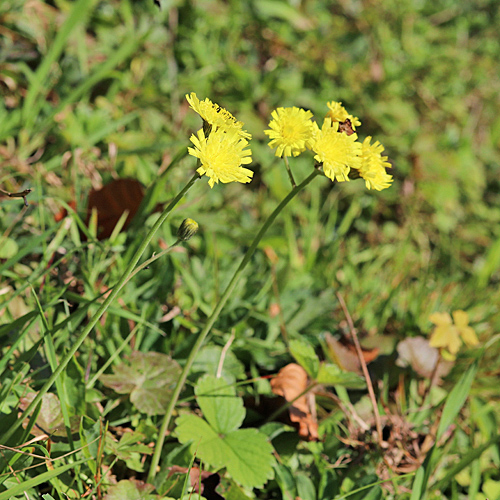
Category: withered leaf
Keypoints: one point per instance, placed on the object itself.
(291, 381)
(111, 201)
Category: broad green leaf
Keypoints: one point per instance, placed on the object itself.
(149, 378)
(305, 356)
(249, 457)
(219, 404)
(330, 374)
(246, 453)
(205, 439)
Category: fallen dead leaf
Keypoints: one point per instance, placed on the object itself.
(291, 381)
(345, 355)
(111, 201)
(417, 353)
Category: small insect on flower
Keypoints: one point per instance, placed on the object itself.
(338, 113)
(337, 152)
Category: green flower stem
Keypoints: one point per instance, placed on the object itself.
(289, 171)
(102, 309)
(212, 319)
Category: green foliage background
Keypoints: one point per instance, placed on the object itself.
(94, 90)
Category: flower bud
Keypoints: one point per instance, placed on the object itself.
(187, 229)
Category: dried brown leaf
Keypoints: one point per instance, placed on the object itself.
(290, 382)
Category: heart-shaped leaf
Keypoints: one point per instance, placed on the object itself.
(246, 453)
(219, 404)
(149, 378)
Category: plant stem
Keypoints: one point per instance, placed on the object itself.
(102, 309)
(433, 380)
(289, 171)
(211, 320)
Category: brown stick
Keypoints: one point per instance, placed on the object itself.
(369, 384)
(21, 194)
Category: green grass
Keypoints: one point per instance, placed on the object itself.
(94, 91)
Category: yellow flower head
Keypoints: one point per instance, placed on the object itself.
(461, 319)
(338, 152)
(447, 335)
(221, 156)
(291, 131)
(215, 116)
(339, 114)
(373, 166)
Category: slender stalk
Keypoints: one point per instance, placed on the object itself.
(433, 380)
(211, 320)
(289, 171)
(152, 259)
(102, 309)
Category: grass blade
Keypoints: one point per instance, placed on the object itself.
(456, 400)
(35, 481)
(78, 15)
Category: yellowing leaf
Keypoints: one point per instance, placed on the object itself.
(148, 377)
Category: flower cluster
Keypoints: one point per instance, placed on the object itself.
(448, 335)
(220, 145)
(336, 146)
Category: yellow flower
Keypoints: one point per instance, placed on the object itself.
(468, 335)
(373, 166)
(291, 131)
(338, 152)
(339, 114)
(447, 335)
(221, 156)
(215, 116)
